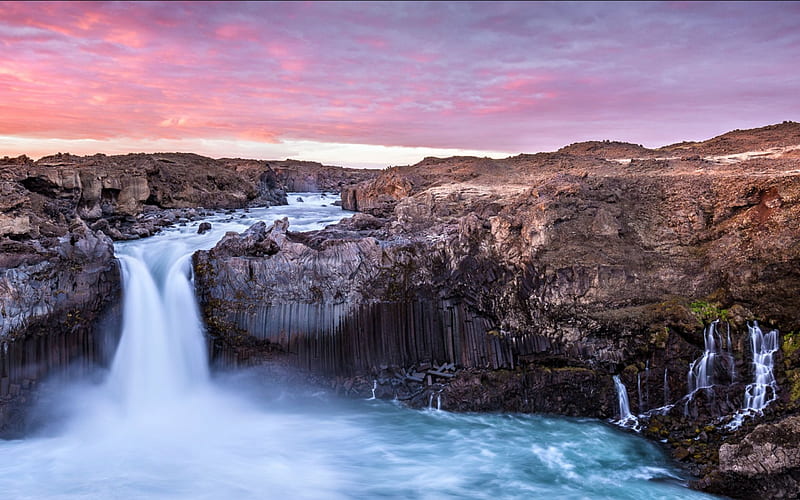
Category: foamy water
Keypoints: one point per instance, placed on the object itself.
(157, 425)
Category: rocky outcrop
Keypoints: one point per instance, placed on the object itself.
(550, 270)
(135, 195)
(302, 176)
(765, 463)
(58, 281)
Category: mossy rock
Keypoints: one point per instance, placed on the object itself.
(707, 312)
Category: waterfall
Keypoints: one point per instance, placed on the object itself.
(730, 355)
(626, 418)
(716, 359)
(162, 352)
(374, 386)
(639, 390)
(701, 370)
(763, 346)
(666, 388)
(764, 388)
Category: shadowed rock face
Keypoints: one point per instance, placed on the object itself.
(537, 277)
(303, 176)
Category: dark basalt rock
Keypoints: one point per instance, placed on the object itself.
(299, 176)
(537, 277)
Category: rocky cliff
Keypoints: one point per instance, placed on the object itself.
(524, 284)
(58, 277)
(302, 176)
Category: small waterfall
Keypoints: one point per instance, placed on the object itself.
(626, 418)
(717, 360)
(639, 390)
(701, 370)
(764, 388)
(439, 401)
(730, 354)
(666, 388)
(764, 347)
(374, 386)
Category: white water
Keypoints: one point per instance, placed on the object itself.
(717, 358)
(763, 390)
(158, 426)
(162, 351)
(626, 418)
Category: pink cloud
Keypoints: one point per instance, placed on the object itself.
(500, 76)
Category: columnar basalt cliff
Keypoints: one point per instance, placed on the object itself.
(58, 276)
(526, 283)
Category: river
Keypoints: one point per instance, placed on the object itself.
(157, 424)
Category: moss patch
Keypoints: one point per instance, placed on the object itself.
(707, 312)
(794, 384)
(790, 345)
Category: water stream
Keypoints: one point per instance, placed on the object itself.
(159, 425)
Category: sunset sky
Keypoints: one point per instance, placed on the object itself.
(378, 84)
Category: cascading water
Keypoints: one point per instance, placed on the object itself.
(763, 390)
(626, 418)
(716, 363)
(162, 353)
(374, 387)
(160, 427)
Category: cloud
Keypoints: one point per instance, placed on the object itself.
(508, 77)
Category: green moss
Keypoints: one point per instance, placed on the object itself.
(574, 369)
(790, 344)
(707, 312)
(794, 384)
(659, 337)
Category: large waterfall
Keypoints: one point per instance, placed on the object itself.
(162, 352)
(159, 426)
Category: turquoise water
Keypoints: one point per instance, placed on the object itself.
(158, 429)
(243, 437)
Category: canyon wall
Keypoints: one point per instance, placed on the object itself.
(524, 284)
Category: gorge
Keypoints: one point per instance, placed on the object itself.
(534, 284)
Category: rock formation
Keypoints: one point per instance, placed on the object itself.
(58, 275)
(522, 284)
(302, 176)
(537, 278)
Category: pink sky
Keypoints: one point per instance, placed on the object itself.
(387, 83)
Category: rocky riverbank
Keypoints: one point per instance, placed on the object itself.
(59, 280)
(524, 284)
